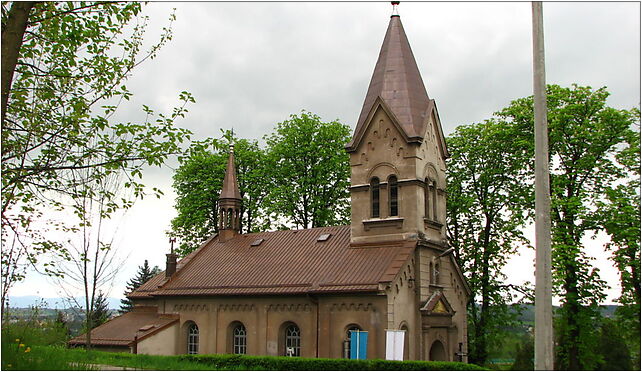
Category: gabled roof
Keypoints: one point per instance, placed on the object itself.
(285, 262)
(437, 304)
(396, 79)
(230, 189)
(141, 322)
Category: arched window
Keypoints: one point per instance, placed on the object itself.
(406, 342)
(430, 199)
(348, 339)
(374, 196)
(393, 195)
(239, 339)
(192, 339)
(292, 340)
(230, 216)
(436, 275)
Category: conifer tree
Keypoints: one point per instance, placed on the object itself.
(145, 272)
(100, 312)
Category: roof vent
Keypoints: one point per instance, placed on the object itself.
(146, 327)
(257, 242)
(323, 237)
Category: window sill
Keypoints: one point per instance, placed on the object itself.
(383, 222)
(433, 224)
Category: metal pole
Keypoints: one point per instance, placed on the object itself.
(543, 281)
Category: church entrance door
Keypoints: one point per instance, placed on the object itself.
(437, 351)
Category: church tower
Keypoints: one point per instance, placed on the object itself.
(229, 203)
(397, 153)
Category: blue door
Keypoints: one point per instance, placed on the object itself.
(358, 344)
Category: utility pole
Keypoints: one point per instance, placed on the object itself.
(543, 281)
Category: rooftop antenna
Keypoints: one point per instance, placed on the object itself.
(395, 10)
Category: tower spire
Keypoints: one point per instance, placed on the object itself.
(397, 82)
(229, 216)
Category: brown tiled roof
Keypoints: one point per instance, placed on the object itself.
(397, 82)
(121, 330)
(285, 262)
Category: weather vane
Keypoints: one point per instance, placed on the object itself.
(172, 240)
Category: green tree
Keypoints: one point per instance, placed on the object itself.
(585, 136)
(524, 360)
(309, 171)
(198, 181)
(619, 215)
(613, 350)
(487, 197)
(64, 65)
(144, 273)
(100, 311)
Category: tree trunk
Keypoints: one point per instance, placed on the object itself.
(12, 32)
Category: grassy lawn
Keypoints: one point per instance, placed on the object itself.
(58, 358)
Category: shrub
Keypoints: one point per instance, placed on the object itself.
(317, 364)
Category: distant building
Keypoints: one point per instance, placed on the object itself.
(302, 292)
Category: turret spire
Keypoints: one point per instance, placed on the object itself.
(229, 222)
(230, 189)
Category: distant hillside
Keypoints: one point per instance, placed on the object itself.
(53, 302)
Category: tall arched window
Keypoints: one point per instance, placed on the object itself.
(348, 339)
(406, 342)
(374, 196)
(230, 217)
(239, 339)
(192, 339)
(292, 340)
(429, 197)
(393, 195)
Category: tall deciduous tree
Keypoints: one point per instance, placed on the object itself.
(585, 136)
(309, 171)
(487, 197)
(144, 273)
(198, 181)
(619, 215)
(64, 65)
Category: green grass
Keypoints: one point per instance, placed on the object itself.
(17, 356)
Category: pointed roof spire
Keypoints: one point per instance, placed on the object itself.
(230, 189)
(396, 79)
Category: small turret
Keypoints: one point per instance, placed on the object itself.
(229, 203)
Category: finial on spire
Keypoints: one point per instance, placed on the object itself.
(395, 10)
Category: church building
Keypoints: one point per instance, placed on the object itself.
(306, 292)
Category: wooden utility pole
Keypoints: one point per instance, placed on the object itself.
(543, 281)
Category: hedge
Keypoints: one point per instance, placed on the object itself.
(224, 361)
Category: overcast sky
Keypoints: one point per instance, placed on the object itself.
(251, 65)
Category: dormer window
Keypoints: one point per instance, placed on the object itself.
(393, 195)
(374, 197)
